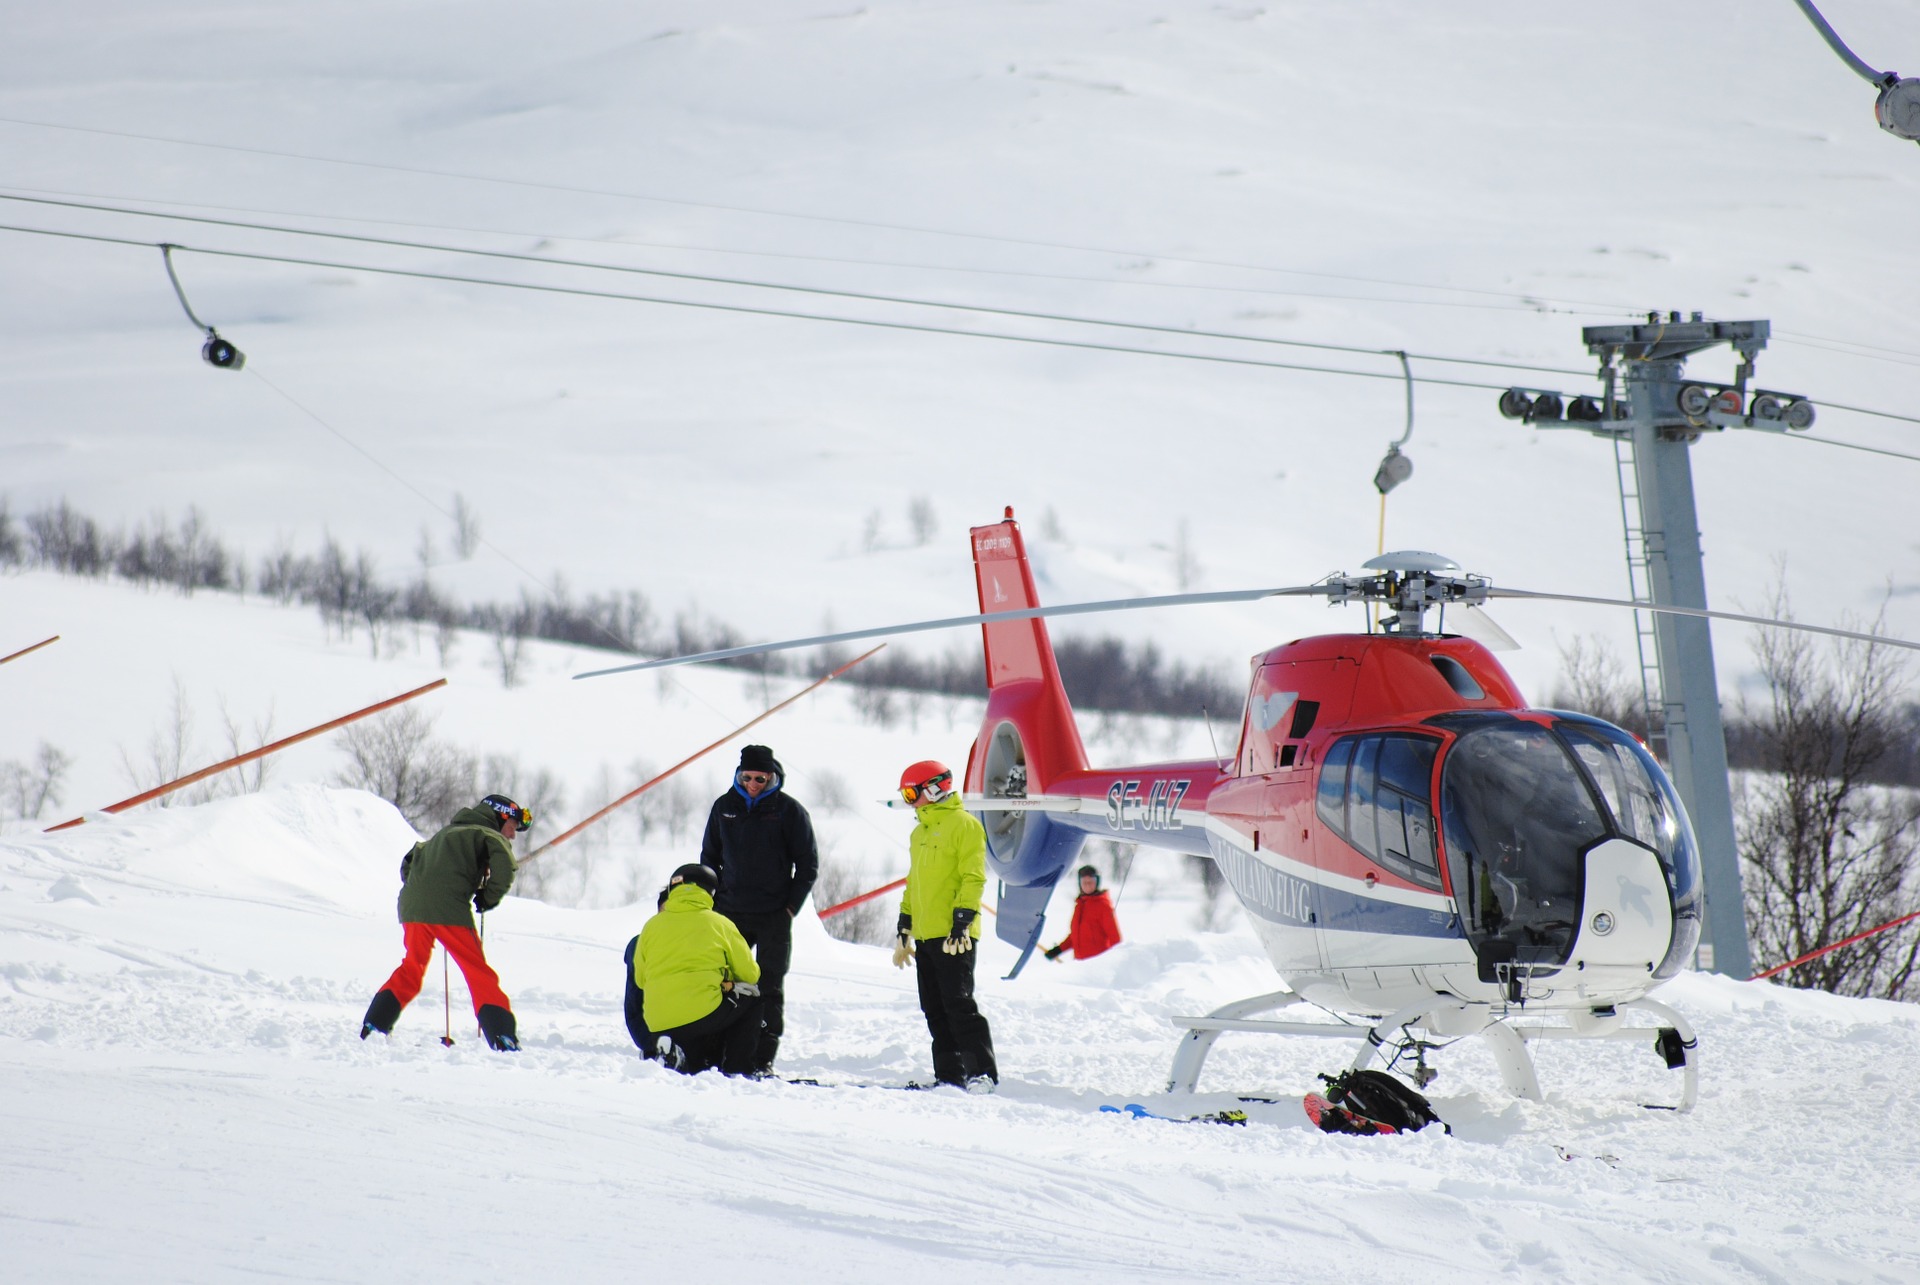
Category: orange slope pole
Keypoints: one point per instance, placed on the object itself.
(864, 897)
(251, 755)
(24, 650)
(641, 789)
(1827, 950)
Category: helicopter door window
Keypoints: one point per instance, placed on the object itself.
(1362, 796)
(1405, 775)
(1332, 797)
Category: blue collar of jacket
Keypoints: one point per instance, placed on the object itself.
(773, 788)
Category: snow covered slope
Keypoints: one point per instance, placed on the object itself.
(182, 1098)
(1386, 174)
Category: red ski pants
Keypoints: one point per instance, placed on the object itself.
(464, 946)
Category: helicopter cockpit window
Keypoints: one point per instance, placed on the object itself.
(1642, 803)
(1332, 798)
(1518, 816)
(1374, 791)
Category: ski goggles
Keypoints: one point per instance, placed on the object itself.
(930, 791)
(508, 810)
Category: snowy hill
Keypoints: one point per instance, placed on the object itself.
(1382, 174)
(186, 1100)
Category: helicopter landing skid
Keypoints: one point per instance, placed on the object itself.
(1673, 1039)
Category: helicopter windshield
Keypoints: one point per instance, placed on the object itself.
(1518, 815)
(1522, 803)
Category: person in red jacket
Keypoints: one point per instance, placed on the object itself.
(1094, 928)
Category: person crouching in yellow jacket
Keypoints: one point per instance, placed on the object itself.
(940, 922)
(699, 980)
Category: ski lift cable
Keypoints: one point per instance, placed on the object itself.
(1585, 308)
(1879, 79)
(871, 323)
(760, 212)
(545, 588)
(743, 309)
(748, 283)
(1854, 446)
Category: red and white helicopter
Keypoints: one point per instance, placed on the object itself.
(1412, 843)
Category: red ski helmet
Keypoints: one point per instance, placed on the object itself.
(927, 781)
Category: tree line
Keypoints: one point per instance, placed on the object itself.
(353, 597)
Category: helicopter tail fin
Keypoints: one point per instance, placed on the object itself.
(1028, 740)
(1023, 678)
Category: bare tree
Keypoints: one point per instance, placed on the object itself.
(1186, 565)
(248, 778)
(1826, 853)
(870, 922)
(395, 756)
(1593, 681)
(1213, 884)
(921, 520)
(168, 751)
(466, 528)
(27, 789)
(870, 532)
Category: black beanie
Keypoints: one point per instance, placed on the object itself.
(758, 758)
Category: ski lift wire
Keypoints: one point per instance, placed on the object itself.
(764, 213)
(748, 283)
(1586, 308)
(742, 309)
(872, 323)
(1853, 60)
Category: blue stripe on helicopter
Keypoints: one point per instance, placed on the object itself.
(1281, 898)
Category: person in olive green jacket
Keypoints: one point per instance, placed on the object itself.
(698, 980)
(940, 922)
(468, 861)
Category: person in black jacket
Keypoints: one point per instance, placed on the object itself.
(761, 842)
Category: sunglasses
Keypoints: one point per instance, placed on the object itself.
(755, 778)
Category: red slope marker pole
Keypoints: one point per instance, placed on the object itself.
(251, 755)
(635, 793)
(1827, 950)
(864, 897)
(24, 650)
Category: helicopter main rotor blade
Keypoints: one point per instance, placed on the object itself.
(1702, 613)
(986, 618)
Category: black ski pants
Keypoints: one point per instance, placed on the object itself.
(771, 936)
(728, 1037)
(962, 1044)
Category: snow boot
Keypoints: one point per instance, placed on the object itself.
(669, 1053)
(980, 1085)
(381, 1015)
(498, 1026)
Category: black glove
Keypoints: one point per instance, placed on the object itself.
(1057, 951)
(959, 941)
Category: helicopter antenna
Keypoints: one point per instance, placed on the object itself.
(1218, 760)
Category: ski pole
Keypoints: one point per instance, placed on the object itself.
(446, 993)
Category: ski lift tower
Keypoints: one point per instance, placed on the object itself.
(1653, 414)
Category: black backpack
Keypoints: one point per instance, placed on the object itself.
(1372, 1097)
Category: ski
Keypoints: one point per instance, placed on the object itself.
(1138, 1112)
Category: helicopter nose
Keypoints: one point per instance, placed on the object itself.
(1626, 921)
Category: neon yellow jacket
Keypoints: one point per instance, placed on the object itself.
(685, 952)
(948, 869)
